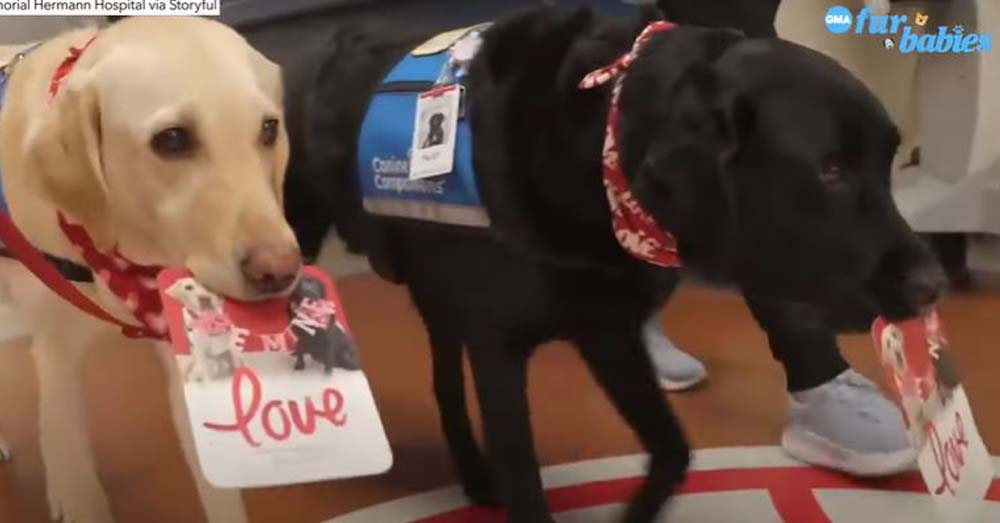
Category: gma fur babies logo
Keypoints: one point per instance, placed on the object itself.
(898, 32)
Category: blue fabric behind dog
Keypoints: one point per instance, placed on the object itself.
(384, 148)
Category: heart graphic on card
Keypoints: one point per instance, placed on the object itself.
(274, 389)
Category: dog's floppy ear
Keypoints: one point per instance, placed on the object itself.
(712, 110)
(269, 79)
(678, 104)
(64, 151)
(683, 164)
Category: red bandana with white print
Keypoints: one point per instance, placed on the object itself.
(635, 229)
(135, 285)
(64, 68)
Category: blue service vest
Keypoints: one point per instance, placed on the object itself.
(386, 138)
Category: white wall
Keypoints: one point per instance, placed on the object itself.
(18, 29)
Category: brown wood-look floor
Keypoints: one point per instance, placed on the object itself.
(743, 404)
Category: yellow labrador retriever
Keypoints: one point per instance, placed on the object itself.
(161, 139)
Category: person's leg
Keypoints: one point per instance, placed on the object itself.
(837, 418)
(675, 369)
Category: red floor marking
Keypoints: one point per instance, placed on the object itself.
(792, 490)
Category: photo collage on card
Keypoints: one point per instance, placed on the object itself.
(274, 389)
(308, 329)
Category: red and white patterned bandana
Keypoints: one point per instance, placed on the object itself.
(66, 66)
(635, 229)
(133, 284)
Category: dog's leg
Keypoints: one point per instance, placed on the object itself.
(329, 355)
(618, 360)
(300, 359)
(189, 369)
(501, 379)
(235, 360)
(449, 390)
(200, 366)
(236, 357)
(74, 490)
(221, 505)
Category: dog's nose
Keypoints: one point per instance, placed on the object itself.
(924, 286)
(271, 269)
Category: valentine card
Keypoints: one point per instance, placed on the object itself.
(274, 389)
(950, 453)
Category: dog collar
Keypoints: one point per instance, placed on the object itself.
(634, 227)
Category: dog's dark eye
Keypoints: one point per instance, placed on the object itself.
(832, 170)
(269, 132)
(175, 141)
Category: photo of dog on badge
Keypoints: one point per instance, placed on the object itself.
(209, 330)
(434, 131)
(314, 325)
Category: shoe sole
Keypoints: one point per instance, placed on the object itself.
(670, 385)
(814, 449)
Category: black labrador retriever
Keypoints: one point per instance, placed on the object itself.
(768, 162)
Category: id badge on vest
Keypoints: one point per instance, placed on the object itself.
(434, 131)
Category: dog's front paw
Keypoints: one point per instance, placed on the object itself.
(76, 500)
(5, 452)
(478, 487)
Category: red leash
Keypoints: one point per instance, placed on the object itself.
(35, 261)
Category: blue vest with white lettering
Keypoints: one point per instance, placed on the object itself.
(385, 143)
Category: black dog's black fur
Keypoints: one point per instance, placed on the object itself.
(768, 162)
(331, 346)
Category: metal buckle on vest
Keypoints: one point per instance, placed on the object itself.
(8, 68)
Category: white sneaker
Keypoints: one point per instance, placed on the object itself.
(676, 369)
(848, 425)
